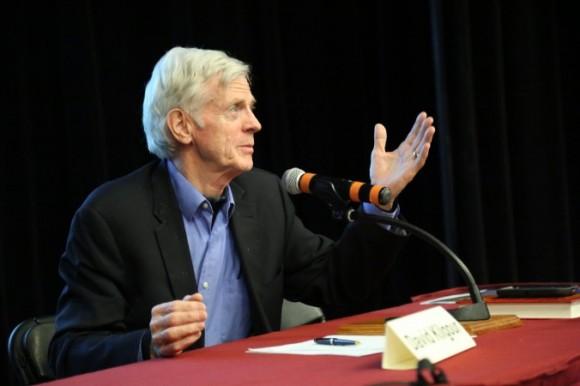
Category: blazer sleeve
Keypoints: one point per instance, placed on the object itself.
(347, 272)
(90, 330)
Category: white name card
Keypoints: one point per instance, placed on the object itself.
(433, 334)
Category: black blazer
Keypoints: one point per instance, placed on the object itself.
(127, 251)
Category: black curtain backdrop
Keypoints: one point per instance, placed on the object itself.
(501, 79)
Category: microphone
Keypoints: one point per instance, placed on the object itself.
(297, 181)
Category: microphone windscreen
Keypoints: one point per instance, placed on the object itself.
(291, 180)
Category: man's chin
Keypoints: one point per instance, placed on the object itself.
(247, 166)
(243, 167)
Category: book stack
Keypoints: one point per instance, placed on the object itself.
(564, 307)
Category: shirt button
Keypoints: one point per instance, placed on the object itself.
(204, 205)
(205, 285)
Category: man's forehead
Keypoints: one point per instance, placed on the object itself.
(239, 88)
(239, 85)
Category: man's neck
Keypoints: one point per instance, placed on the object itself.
(209, 183)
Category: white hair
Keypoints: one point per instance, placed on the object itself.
(178, 80)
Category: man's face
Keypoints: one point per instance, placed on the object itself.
(225, 142)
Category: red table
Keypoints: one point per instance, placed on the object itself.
(541, 352)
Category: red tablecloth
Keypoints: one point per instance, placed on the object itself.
(541, 352)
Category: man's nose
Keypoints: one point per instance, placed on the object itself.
(253, 123)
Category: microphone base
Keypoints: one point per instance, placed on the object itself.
(471, 312)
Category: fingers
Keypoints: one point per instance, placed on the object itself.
(421, 131)
(421, 134)
(424, 143)
(195, 297)
(176, 325)
(177, 313)
(422, 159)
(416, 137)
(414, 133)
(380, 137)
(174, 341)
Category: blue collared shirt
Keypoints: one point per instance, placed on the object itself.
(215, 260)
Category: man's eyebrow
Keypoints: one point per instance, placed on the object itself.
(237, 101)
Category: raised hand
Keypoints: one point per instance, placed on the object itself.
(397, 168)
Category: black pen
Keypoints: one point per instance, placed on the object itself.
(335, 341)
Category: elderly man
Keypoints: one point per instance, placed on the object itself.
(199, 248)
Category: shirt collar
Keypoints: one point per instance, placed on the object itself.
(189, 199)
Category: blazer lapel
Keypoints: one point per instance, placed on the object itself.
(170, 234)
(248, 239)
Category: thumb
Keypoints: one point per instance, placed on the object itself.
(380, 137)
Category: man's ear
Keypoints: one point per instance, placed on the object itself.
(180, 125)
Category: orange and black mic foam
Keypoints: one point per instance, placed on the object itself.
(347, 190)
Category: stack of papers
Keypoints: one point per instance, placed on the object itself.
(452, 299)
(366, 345)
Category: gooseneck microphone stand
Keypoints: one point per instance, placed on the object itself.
(476, 311)
(341, 210)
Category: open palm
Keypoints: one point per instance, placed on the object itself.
(395, 169)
